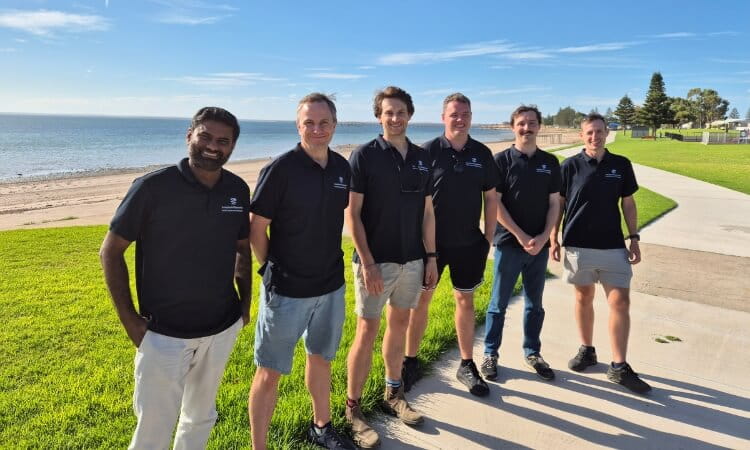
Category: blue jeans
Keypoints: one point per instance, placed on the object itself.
(509, 263)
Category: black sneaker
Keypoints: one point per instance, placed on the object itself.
(469, 376)
(489, 367)
(329, 438)
(626, 377)
(541, 367)
(586, 357)
(410, 373)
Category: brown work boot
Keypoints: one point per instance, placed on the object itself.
(363, 434)
(395, 403)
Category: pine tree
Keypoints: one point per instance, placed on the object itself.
(656, 109)
(625, 112)
(734, 114)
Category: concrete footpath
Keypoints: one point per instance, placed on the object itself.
(700, 396)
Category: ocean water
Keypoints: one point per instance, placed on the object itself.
(45, 145)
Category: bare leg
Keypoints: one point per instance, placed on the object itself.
(584, 312)
(261, 403)
(619, 321)
(394, 341)
(318, 382)
(418, 323)
(465, 322)
(359, 359)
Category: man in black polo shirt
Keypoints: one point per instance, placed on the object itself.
(301, 197)
(464, 175)
(190, 224)
(392, 223)
(594, 182)
(528, 204)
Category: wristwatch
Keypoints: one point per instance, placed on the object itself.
(431, 255)
(634, 236)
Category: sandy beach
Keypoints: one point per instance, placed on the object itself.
(91, 199)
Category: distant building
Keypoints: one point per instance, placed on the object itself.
(613, 126)
(639, 131)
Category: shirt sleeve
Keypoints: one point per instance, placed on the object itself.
(268, 191)
(556, 183)
(133, 212)
(430, 187)
(629, 185)
(502, 173)
(358, 171)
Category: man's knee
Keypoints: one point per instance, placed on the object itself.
(266, 378)
(584, 294)
(464, 300)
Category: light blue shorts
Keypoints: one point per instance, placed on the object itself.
(283, 320)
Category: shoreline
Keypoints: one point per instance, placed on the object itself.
(91, 198)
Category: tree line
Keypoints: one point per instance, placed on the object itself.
(699, 107)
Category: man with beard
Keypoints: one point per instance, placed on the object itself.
(465, 177)
(528, 204)
(392, 223)
(190, 224)
(300, 197)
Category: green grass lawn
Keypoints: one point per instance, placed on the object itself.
(66, 378)
(724, 165)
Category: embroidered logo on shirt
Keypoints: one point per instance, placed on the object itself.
(543, 169)
(420, 166)
(474, 163)
(232, 206)
(612, 174)
(340, 184)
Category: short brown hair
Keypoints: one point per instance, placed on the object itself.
(391, 92)
(456, 97)
(523, 109)
(592, 117)
(317, 97)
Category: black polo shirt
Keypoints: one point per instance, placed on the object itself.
(305, 203)
(460, 180)
(525, 184)
(592, 191)
(186, 243)
(394, 193)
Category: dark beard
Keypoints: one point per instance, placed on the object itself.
(201, 162)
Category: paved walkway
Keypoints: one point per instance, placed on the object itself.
(700, 399)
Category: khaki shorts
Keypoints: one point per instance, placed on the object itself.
(402, 286)
(585, 266)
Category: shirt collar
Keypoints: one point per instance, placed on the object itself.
(516, 153)
(303, 156)
(589, 159)
(187, 173)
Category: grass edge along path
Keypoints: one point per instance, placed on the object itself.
(66, 378)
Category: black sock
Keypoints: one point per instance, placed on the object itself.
(319, 430)
(410, 358)
(590, 347)
(466, 362)
(618, 365)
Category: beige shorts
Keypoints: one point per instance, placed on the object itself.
(402, 286)
(584, 266)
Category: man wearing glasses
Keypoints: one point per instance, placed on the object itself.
(392, 222)
(464, 176)
(528, 206)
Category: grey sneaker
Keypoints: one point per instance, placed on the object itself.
(469, 376)
(584, 358)
(329, 438)
(364, 435)
(541, 367)
(626, 377)
(489, 367)
(395, 403)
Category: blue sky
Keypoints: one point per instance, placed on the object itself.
(170, 57)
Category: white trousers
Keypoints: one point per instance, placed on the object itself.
(178, 377)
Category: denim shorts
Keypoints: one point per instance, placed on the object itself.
(283, 320)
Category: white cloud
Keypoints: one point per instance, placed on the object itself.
(192, 12)
(677, 35)
(730, 60)
(46, 23)
(181, 19)
(501, 66)
(528, 55)
(319, 69)
(725, 33)
(366, 67)
(224, 79)
(7, 50)
(336, 76)
(598, 47)
(470, 50)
